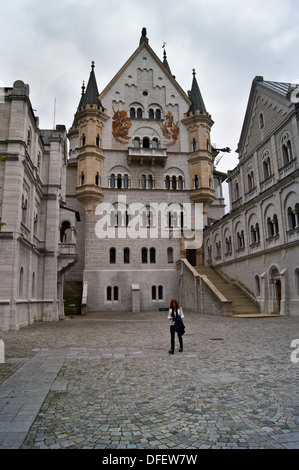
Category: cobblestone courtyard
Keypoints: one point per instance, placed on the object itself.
(106, 381)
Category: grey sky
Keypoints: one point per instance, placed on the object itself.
(50, 46)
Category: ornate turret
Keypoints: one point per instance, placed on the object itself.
(198, 123)
(87, 128)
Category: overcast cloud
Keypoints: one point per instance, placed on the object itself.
(50, 46)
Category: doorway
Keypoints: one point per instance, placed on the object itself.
(275, 290)
(191, 256)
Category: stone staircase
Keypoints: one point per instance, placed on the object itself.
(243, 303)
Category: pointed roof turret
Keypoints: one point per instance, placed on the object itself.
(90, 95)
(195, 97)
(75, 124)
(165, 62)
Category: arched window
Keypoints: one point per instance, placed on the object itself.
(115, 293)
(173, 184)
(155, 143)
(144, 255)
(270, 229)
(240, 240)
(287, 154)
(154, 293)
(272, 226)
(257, 232)
(153, 255)
(98, 140)
(180, 185)
(160, 292)
(82, 178)
(228, 245)
(126, 181)
(262, 123)
(132, 113)
(65, 232)
(196, 182)
(127, 255)
(83, 140)
(250, 179)
(112, 255)
(151, 114)
(257, 285)
(112, 180)
(109, 293)
(150, 182)
(158, 114)
(139, 113)
(97, 179)
(291, 219)
(266, 164)
(167, 182)
(136, 142)
(21, 282)
(119, 181)
(146, 143)
(143, 182)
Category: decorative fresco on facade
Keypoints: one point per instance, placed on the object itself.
(170, 129)
(121, 125)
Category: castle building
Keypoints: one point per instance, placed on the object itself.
(125, 210)
(37, 237)
(141, 175)
(257, 242)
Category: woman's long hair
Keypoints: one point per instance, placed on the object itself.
(174, 305)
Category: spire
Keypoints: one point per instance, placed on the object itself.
(196, 98)
(90, 94)
(165, 62)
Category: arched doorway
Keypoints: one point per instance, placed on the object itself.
(275, 290)
(191, 256)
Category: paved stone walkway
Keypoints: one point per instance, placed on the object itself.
(106, 381)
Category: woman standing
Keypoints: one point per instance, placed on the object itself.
(175, 313)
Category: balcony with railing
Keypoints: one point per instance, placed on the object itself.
(153, 156)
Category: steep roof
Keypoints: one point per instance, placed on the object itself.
(91, 94)
(196, 98)
(280, 87)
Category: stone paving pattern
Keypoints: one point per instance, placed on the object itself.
(106, 381)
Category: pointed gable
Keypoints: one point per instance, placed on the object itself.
(268, 105)
(144, 100)
(138, 56)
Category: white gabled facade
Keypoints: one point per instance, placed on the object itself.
(257, 243)
(152, 142)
